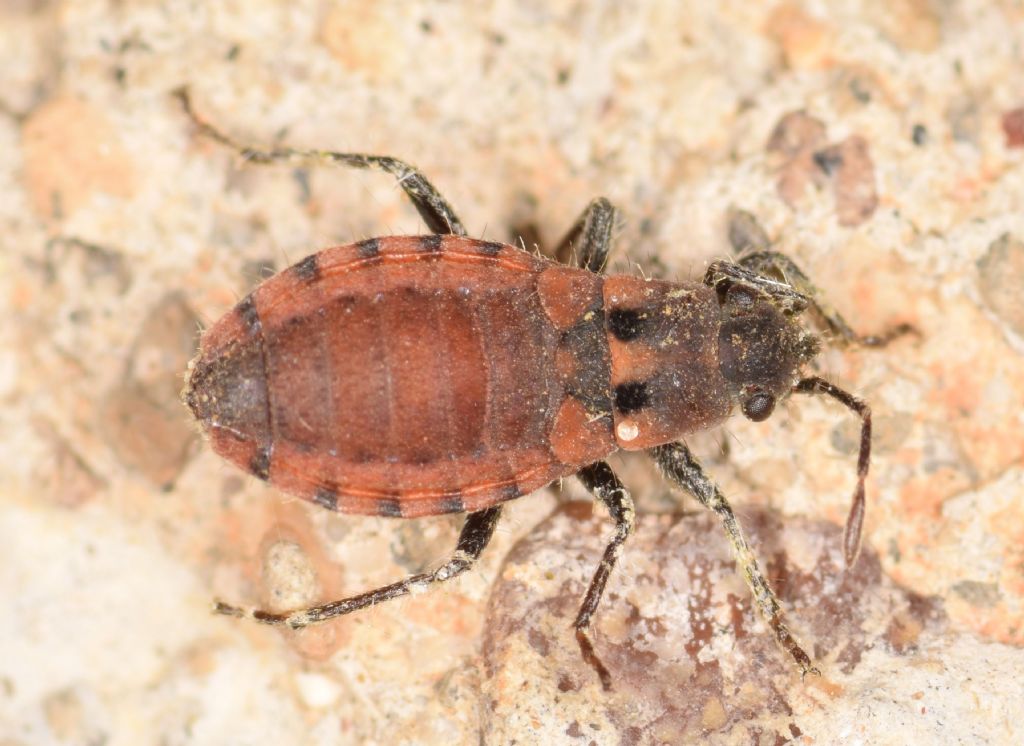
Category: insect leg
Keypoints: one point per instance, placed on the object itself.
(606, 487)
(476, 534)
(432, 207)
(773, 264)
(590, 236)
(679, 465)
(721, 274)
(746, 233)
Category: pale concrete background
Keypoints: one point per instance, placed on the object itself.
(121, 231)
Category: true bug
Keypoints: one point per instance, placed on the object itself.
(409, 376)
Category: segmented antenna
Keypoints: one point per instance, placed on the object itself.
(855, 520)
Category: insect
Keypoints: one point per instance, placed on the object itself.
(410, 376)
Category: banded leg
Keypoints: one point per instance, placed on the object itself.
(590, 237)
(773, 264)
(721, 274)
(601, 481)
(432, 207)
(679, 465)
(476, 534)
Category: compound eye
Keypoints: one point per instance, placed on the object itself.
(740, 298)
(758, 406)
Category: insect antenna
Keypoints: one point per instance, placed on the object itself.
(855, 520)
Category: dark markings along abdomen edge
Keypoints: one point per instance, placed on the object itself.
(368, 248)
(247, 311)
(490, 248)
(308, 269)
(389, 507)
(260, 464)
(327, 498)
(430, 243)
(511, 491)
(453, 503)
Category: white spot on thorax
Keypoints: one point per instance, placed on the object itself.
(627, 431)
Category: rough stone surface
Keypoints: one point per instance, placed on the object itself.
(118, 223)
(688, 656)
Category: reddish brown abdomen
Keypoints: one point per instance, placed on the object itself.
(410, 376)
